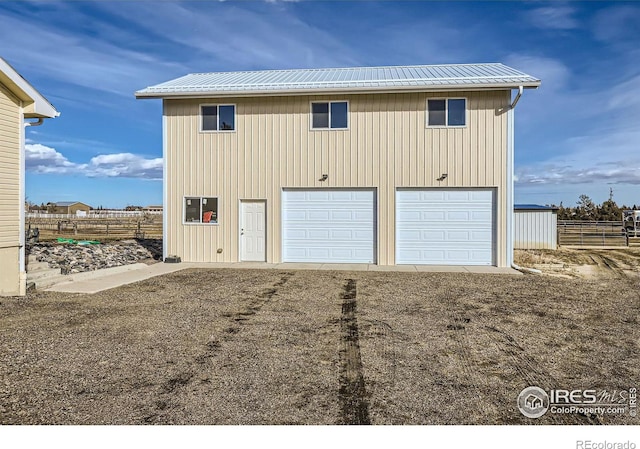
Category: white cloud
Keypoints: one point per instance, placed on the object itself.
(554, 74)
(553, 17)
(125, 165)
(534, 110)
(241, 38)
(43, 159)
(90, 62)
(603, 157)
(617, 24)
(620, 172)
(565, 149)
(46, 160)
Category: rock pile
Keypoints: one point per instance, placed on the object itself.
(73, 258)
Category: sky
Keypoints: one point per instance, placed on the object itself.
(579, 133)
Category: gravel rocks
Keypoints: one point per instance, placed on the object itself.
(73, 258)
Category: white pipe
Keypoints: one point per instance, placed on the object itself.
(515, 100)
(525, 269)
(510, 169)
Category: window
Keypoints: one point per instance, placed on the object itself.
(449, 112)
(329, 115)
(201, 210)
(218, 117)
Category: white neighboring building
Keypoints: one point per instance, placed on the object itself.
(535, 227)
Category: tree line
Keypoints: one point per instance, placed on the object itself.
(586, 209)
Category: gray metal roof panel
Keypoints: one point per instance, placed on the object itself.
(533, 207)
(355, 78)
(66, 203)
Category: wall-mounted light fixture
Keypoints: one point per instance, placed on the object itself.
(442, 177)
(324, 177)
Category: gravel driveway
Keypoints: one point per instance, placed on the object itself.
(315, 347)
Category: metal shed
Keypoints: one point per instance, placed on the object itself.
(535, 227)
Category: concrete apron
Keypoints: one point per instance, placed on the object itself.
(99, 280)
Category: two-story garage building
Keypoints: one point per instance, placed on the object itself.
(382, 165)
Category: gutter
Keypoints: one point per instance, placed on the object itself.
(39, 122)
(471, 87)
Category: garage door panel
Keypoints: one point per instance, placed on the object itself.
(341, 215)
(328, 226)
(481, 216)
(458, 215)
(317, 234)
(439, 226)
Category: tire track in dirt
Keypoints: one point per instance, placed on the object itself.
(458, 331)
(352, 392)
(531, 371)
(381, 337)
(211, 349)
(612, 266)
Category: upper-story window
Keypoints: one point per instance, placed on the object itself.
(329, 115)
(218, 117)
(447, 112)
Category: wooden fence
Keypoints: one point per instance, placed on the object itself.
(591, 233)
(92, 228)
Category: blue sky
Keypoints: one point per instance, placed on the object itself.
(579, 133)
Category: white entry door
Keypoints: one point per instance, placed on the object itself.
(252, 231)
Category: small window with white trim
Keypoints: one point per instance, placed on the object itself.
(218, 117)
(329, 115)
(447, 112)
(201, 210)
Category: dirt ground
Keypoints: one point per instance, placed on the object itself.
(580, 263)
(320, 347)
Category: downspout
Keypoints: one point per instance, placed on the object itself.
(510, 185)
(22, 199)
(515, 100)
(165, 186)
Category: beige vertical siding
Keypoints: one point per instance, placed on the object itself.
(10, 128)
(535, 230)
(386, 146)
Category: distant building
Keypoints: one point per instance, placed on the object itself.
(70, 207)
(19, 100)
(153, 209)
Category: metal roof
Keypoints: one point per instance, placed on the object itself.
(533, 207)
(67, 203)
(349, 79)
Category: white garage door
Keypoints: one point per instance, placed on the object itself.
(445, 227)
(324, 225)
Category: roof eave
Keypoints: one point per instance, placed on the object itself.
(35, 105)
(334, 90)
